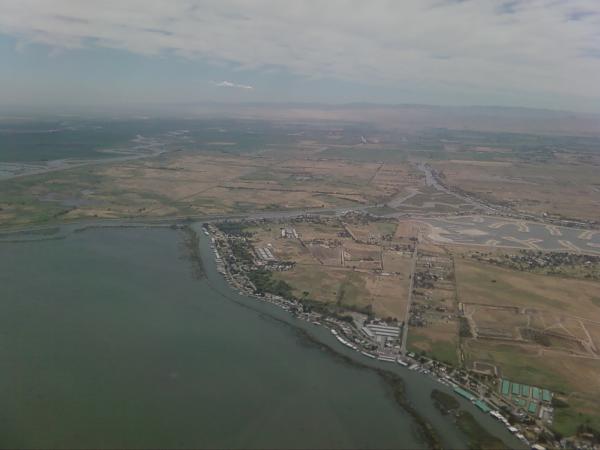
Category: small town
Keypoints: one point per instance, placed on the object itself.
(526, 411)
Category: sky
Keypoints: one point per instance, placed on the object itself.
(526, 53)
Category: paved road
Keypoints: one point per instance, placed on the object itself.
(409, 300)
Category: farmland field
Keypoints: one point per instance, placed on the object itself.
(563, 356)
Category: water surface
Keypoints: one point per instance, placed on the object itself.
(108, 340)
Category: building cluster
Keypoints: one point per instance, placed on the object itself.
(265, 254)
(431, 273)
(381, 340)
(385, 335)
(289, 233)
(528, 400)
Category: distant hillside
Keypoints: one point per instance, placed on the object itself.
(414, 117)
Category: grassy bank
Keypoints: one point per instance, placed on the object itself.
(479, 438)
(444, 402)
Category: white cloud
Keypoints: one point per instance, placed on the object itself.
(544, 47)
(229, 84)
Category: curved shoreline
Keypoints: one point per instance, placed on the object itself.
(394, 381)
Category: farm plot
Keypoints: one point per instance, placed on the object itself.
(535, 329)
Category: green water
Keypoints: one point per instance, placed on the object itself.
(108, 340)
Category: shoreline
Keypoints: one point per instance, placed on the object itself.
(340, 328)
(393, 381)
(280, 302)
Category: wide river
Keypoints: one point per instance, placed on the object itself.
(107, 339)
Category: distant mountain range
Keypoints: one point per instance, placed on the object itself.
(405, 117)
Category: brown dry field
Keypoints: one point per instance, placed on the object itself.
(496, 320)
(329, 256)
(558, 323)
(553, 303)
(373, 231)
(319, 272)
(250, 199)
(439, 339)
(542, 367)
(321, 231)
(475, 283)
(364, 265)
(441, 330)
(394, 261)
(183, 184)
(391, 179)
(426, 247)
(443, 294)
(356, 252)
(388, 295)
(407, 229)
(337, 178)
(361, 172)
(178, 178)
(567, 189)
(334, 285)
(347, 288)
